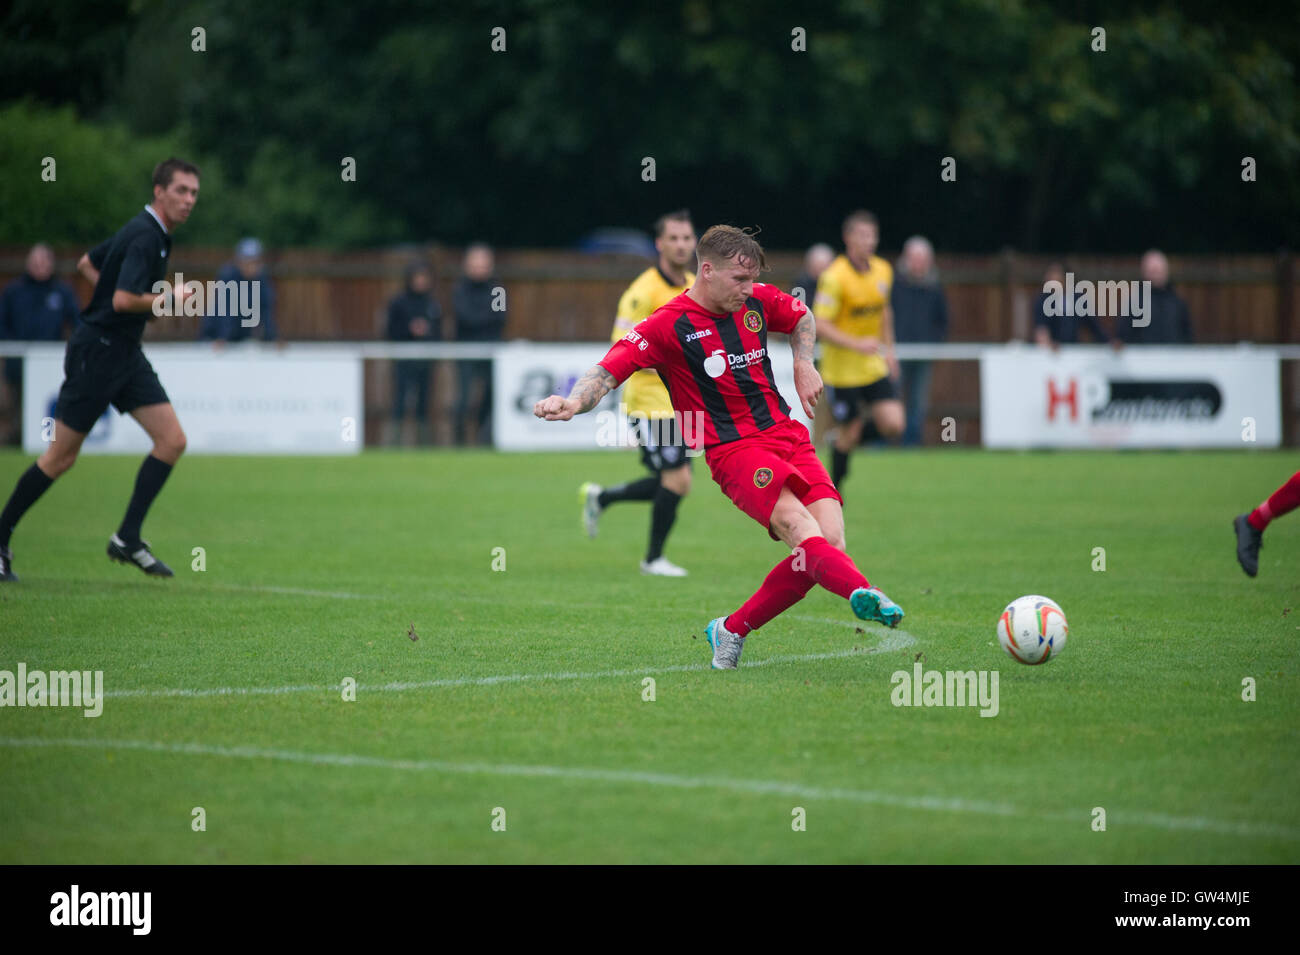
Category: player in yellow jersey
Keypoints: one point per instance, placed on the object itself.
(649, 409)
(856, 327)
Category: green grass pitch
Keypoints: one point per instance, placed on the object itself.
(524, 690)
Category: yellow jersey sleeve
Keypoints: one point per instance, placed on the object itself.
(887, 280)
(644, 393)
(634, 305)
(830, 295)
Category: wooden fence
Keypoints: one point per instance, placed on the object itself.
(562, 295)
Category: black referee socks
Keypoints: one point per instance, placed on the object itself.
(30, 486)
(152, 476)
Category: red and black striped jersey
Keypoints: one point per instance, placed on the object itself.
(716, 366)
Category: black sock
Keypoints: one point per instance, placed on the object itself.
(662, 516)
(30, 486)
(839, 465)
(870, 433)
(642, 490)
(148, 482)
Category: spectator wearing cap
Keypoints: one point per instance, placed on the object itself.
(35, 307)
(248, 266)
(413, 316)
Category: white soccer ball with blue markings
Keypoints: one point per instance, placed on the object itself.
(1033, 629)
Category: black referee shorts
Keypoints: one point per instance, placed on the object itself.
(99, 370)
(850, 403)
(663, 447)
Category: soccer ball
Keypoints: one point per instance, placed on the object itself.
(1033, 629)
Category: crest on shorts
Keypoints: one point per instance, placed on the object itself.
(753, 320)
(762, 477)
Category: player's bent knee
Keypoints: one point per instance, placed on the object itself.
(55, 464)
(678, 481)
(170, 447)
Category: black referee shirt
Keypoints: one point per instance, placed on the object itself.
(133, 260)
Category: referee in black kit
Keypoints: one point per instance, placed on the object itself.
(104, 365)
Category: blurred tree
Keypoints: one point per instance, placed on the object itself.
(1057, 146)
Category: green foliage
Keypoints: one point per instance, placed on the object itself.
(101, 175)
(1057, 145)
(102, 178)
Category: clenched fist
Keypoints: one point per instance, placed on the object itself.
(555, 408)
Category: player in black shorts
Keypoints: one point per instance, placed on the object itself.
(849, 404)
(104, 364)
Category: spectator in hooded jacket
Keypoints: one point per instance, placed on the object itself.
(413, 316)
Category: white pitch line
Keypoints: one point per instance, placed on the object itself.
(634, 777)
(483, 598)
(893, 640)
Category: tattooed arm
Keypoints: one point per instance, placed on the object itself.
(807, 382)
(803, 337)
(586, 394)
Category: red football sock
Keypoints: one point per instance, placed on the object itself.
(1284, 499)
(831, 568)
(783, 588)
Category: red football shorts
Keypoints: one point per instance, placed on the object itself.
(753, 470)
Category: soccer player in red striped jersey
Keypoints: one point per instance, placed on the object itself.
(1250, 527)
(710, 346)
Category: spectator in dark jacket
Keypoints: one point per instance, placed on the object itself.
(815, 261)
(479, 304)
(920, 315)
(35, 307)
(1054, 330)
(1170, 321)
(413, 316)
(248, 266)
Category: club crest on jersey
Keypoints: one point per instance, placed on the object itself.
(753, 320)
(762, 477)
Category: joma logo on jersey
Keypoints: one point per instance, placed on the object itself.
(703, 334)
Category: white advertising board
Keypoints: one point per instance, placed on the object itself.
(240, 400)
(1139, 397)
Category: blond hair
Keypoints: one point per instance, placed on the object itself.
(722, 243)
